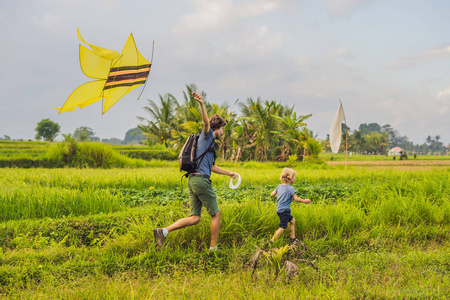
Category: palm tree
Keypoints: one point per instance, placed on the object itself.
(261, 124)
(314, 148)
(190, 110)
(359, 140)
(188, 117)
(226, 145)
(162, 119)
(292, 135)
(83, 134)
(264, 126)
(437, 138)
(243, 140)
(376, 142)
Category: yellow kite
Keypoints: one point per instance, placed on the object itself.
(119, 74)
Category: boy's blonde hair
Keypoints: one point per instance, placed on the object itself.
(287, 175)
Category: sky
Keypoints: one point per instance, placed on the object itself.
(388, 61)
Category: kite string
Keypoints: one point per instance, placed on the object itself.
(151, 64)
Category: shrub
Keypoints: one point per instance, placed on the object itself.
(63, 154)
(150, 154)
(292, 160)
(87, 154)
(94, 155)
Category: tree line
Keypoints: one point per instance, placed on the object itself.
(375, 139)
(48, 130)
(262, 130)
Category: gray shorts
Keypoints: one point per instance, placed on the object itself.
(201, 194)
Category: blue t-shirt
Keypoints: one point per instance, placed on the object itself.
(284, 197)
(203, 143)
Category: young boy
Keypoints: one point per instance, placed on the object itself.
(285, 193)
(201, 192)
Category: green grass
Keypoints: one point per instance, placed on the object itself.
(357, 276)
(87, 233)
(16, 149)
(14, 154)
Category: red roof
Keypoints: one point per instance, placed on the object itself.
(397, 149)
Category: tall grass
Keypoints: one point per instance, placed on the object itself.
(28, 203)
(367, 191)
(88, 155)
(373, 234)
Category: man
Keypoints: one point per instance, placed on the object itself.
(201, 192)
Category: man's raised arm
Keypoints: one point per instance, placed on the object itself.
(205, 118)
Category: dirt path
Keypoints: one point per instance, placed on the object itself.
(401, 164)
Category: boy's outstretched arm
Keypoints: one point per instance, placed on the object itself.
(205, 118)
(273, 193)
(298, 199)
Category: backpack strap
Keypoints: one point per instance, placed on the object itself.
(204, 153)
(215, 155)
(181, 183)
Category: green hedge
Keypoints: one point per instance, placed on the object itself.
(150, 154)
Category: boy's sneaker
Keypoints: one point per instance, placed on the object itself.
(159, 237)
(295, 241)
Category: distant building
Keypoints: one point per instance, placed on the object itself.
(396, 151)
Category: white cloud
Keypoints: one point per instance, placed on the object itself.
(444, 95)
(54, 23)
(111, 5)
(231, 49)
(66, 4)
(444, 110)
(342, 52)
(255, 41)
(256, 8)
(212, 16)
(443, 99)
(220, 34)
(209, 17)
(427, 56)
(344, 8)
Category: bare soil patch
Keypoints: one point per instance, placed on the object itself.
(400, 164)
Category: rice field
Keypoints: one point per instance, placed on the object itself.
(375, 230)
(14, 149)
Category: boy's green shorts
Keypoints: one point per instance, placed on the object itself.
(201, 193)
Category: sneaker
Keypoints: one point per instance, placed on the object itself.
(159, 237)
(295, 241)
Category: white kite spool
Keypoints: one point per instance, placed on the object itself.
(238, 183)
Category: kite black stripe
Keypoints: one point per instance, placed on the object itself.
(108, 87)
(126, 76)
(130, 68)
